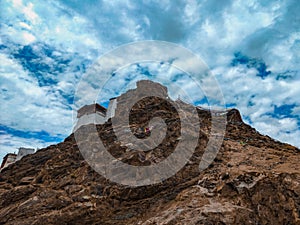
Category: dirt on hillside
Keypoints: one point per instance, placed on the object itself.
(252, 180)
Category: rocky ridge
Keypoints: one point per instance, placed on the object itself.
(253, 179)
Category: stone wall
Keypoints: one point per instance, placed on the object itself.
(7, 160)
(24, 151)
(95, 118)
(111, 108)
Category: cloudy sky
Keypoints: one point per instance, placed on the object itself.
(251, 47)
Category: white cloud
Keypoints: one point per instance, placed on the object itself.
(77, 32)
(10, 143)
(241, 86)
(28, 38)
(27, 106)
(50, 23)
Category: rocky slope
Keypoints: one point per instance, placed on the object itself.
(253, 179)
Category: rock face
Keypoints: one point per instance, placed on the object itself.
(253, 179)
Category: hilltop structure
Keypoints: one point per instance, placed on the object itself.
(11, 158)
(24, 151)
(95, 114)
(8, 159)
(252, 180)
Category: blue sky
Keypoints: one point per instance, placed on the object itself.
(252, 47)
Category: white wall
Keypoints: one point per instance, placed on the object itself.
(111, 108)
(10, 160)
(95, 118)
(24, 151)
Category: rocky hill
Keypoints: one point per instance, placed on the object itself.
(252, 180)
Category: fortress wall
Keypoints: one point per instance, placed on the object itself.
(111, 108)
(95, 118)
(24, 151)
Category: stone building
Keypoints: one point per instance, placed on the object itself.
(24, 151)
(12, 158)
(95, 114)
(7, 160)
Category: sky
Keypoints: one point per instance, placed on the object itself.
(251, 47)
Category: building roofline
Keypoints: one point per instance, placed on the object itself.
(92, 108)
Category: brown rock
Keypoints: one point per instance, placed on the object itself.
(253, 180)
